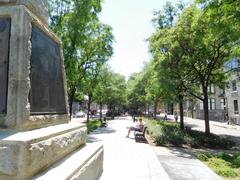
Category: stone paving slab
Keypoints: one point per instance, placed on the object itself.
(125, 159)
(181, 165)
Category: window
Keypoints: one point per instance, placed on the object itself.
(222, 91)
(222, 104)
(211, 104)
(231, 65)
(211, 89)
(235, 106)
(234, 85)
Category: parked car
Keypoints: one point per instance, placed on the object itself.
(79, 114)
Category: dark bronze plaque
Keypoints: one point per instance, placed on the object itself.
(5, 24)
(47, 91)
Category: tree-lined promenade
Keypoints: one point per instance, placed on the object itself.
(189, 48)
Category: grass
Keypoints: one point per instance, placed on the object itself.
(224, 164)
(169, 133)
(92, 125)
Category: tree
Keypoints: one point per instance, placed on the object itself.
(136, 94)
(87, 42)
(196, 48)
(166, 57)
(207, 41)
(116, 93)
(101, 88)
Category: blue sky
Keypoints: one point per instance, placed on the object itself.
(131, 23)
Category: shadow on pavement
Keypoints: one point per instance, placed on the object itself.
(236, 139)
(104, 130)
(181, 152)
(91, 139)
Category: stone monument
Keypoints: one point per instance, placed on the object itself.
(37, 141)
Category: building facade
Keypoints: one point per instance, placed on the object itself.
(216, 105)
(233, 91)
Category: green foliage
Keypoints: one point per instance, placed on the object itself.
(136, 94)
(92, 125)
(190, 53)
(221, 167)
(203, 156)
(165, 133)
(87, 42)
(224, 164)
(116, 92)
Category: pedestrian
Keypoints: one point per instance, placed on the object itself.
(165, 116)
(137, 127)
(176, 116)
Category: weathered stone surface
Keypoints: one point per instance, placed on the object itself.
(38, 7)
(85, 163)
(44, 153)
(8, 159)
(18, 106)
(92, 169)
(24, 154)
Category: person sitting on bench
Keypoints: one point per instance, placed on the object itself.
(139, 127)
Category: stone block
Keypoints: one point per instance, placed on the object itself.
(84, 164)
(8, 159)
(24, 154)
(38, 7)
(18, 115)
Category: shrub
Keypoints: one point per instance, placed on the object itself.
(202, 156)
(236, 160)
(223, 164)
(92, 125)
(170, 133)
(221, 167)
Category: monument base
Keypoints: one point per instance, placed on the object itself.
(83, 164)
(26, 154)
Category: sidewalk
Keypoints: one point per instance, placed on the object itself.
(125, 159)
(181, 165)
(214, 123)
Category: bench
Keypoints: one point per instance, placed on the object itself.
(140, 135)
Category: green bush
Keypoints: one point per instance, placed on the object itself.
(170, 133)
(222, 163)
(204, 156)
(236, 161)
(221, 167)
(92, 125)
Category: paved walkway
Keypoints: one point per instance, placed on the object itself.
(125, 159)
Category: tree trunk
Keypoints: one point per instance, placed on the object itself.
(155, 110)
(88, 107)
(100, 111)
(181, 111)
(71, 98)
(206, 111)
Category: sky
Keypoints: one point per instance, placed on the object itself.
(131, 23)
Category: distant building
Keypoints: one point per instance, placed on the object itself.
(233, 91)
(216, 105)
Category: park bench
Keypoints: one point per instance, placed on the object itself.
(140, 135)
